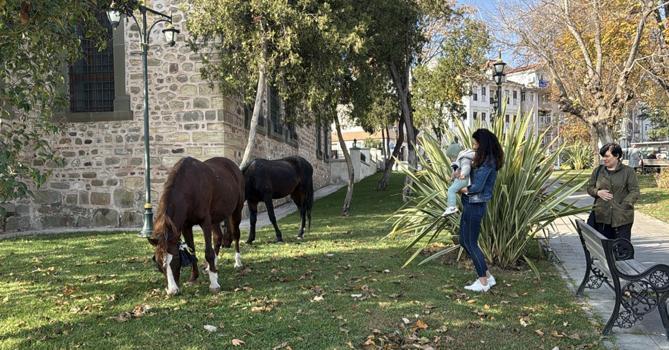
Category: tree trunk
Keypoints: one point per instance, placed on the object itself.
(260, 93)
(383, 183)
(604, 134)
(401, 81)
(345, 209)
(594, 142)
(383, 145)
(386, 146)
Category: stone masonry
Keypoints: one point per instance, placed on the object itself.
(102, 181)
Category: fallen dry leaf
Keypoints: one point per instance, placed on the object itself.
(210, 328)
(283, 345)
(421, 325)
(539, 332)
(237, 342)
(261, 308)
(557, 335)
(137, 312)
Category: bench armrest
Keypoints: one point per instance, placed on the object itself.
(622, 249)
(658, 277)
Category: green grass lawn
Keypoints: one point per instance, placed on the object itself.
(341, 288)
(654, 201)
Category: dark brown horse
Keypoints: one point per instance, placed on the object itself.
(198, 193)
(271, 179)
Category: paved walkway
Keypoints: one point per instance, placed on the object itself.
(650, 238)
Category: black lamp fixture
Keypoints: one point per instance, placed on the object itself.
(114, 14)
(170, 35)
(114, 17)
(499, 77)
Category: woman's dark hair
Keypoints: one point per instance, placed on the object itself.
(615, 149)
(489, 148)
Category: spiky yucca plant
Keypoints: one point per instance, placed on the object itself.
(578, 155)
(525, 200)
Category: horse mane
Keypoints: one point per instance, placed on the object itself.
(247, 165)
(164, 222)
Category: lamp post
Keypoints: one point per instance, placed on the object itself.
(498, 76)
(114, 15)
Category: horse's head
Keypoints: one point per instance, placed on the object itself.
(166, 253)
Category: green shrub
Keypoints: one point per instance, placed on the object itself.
(578, 156)
(521, 206)
(662, 179)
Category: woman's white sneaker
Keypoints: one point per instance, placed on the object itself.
(477, 286)
(491, 281)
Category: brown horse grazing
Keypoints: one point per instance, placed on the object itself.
(270, 179)
(198, 193)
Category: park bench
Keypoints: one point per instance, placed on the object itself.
(639, 289)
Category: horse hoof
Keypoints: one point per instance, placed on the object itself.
(173, 291)
(215, 290)
(249, 242)
(300, 237)
(192, 281)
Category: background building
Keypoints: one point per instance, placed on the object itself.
(526, 92)
(101, 183)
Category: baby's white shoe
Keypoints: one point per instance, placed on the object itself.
(449, 211)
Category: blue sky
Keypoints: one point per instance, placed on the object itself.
(487, 11)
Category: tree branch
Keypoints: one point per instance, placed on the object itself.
(598, 40)
(579, 39)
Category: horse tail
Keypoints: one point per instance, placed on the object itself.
(309, 191)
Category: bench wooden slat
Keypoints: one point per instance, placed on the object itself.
(630, 267)
(594, 247)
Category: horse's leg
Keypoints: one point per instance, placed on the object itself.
(253, 217)
(227, 235)
(299, 202)
(233, 228)
(272, 218)
(218, 238)
(188, 237)
(210, 256)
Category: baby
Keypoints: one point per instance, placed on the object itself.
(463, 165)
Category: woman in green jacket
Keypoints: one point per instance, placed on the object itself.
(615, 189)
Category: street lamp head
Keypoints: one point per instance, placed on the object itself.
(170, 35)
(498, 79)
(114, 17)
(499, 66)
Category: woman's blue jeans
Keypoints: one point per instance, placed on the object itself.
(470, 227)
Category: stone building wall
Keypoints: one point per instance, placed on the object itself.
(102, 181)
